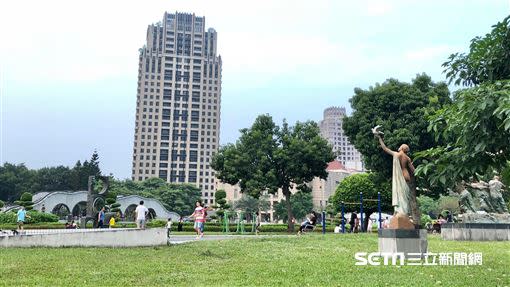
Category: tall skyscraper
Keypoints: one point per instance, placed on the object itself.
(178, 103)
(332, 130)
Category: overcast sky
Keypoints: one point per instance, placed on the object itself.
(68, 69)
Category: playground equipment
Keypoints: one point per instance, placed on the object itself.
(361, 210)
(240, 219)
(240, 222)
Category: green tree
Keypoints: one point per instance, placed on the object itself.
(79, 176)
(15, 180)
(267, 158)
(25, 201)
(400, 109)
(250, 204)
(179, 198)
(488, 59)
(505, 176)
(94, 164)
(54, 178)
(349, 189)
(111, 202)
(427, 205)
(480, 110)
(302, 205)
(220, 202)
(75, 176)
(2, 204)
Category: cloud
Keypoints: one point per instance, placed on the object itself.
(378, 8)
(431, 52)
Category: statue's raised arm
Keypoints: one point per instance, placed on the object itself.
(378, 134)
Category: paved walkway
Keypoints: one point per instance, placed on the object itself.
(179, 239)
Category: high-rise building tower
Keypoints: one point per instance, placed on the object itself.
(332, 130)
(178, 103)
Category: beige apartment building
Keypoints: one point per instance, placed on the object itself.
(178, 103)
(332, 130)
(323, 189)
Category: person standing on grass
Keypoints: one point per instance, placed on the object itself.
(386, 223)
(199, 215)
(141, 211)
(352, 221)
(100, 218)
(22, 213)
(112, 221)
(369, 225)
(179, 225)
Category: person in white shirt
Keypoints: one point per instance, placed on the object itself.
(141, 211)
(386, 223)
(369, 225)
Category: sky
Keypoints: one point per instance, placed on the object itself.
(68, 69)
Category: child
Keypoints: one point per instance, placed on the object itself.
(112, 221)
(309, 222)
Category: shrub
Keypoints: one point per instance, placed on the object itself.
(427, 205)
(25, 201)
(157, 223)
(8, 218)
(26, 196)
(425, 218)
(44, 225)
(39, 217)
(35, 217)
(449, 203)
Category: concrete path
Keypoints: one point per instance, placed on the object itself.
(179, 239)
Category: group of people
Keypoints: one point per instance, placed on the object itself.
(141, 213)
(355, 224)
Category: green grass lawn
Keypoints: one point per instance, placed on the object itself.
(310, 260)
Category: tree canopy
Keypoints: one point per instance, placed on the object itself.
(17, 179)
(179, 198)
(220, 202)
(474, 131)
(302, 204)
(250, 204)
(400, 109)
(488, 59)
(268, 157)
(349, 189)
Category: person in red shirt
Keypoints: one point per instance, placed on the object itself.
(199, 215)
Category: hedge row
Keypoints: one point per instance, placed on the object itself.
(33, 217)
(43, 225)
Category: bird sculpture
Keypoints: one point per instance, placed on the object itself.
(375, 130)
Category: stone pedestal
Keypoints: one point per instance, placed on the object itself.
(411, 242)
(476, 231)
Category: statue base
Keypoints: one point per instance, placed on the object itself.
(476, 231)
(484, 217)
(401, 221)
(411, 242)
